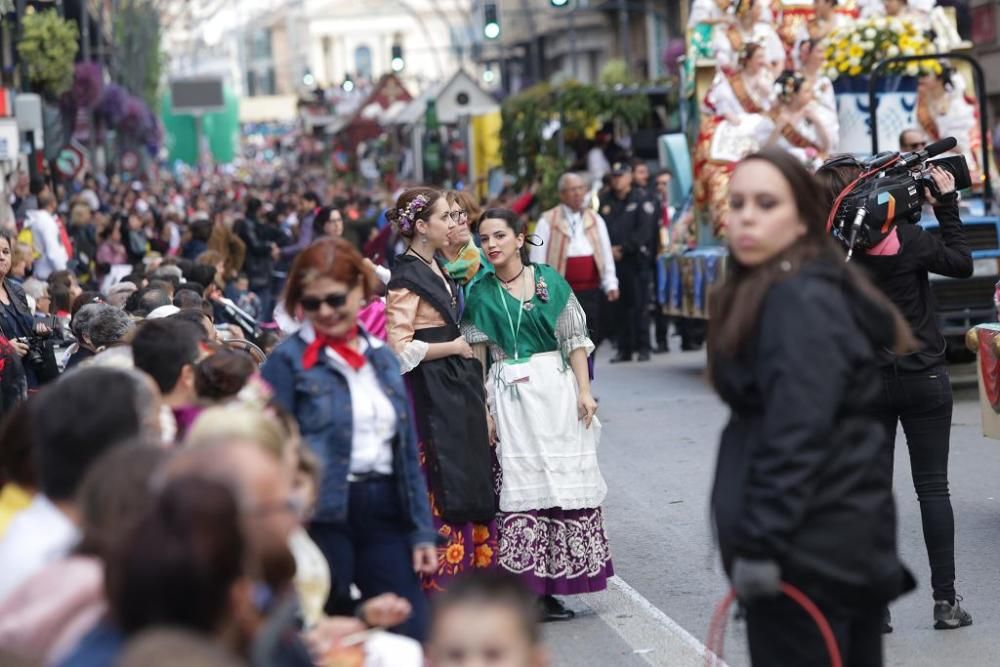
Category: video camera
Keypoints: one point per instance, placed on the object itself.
(890, 191)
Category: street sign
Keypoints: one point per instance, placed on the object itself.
(10, 139)
(71, 160)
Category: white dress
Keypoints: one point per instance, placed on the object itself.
(727, 54)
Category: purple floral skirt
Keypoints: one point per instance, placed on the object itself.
(554, 551)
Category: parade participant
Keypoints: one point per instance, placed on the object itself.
(486, 619)
(825, 20)
(551, 529)
(446, 386)
(574, 241)
(709, 12)
(749, 27)
(75, 420)
(733, 121)
(813, 60)
(800, 487)
(916, 388)
(462, 256)
(632, 222)
(799, 124)
(944, 110)
(372, 520)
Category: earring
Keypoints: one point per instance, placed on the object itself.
(423, 239)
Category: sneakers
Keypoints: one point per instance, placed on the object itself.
(948, 616)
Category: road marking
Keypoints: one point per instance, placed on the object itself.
(656, 638)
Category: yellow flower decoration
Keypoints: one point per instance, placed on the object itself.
(483, 556)
(454, 554)
(480, 533)
(856, 51)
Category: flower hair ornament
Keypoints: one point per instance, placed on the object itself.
(406, 218)
(787, 84)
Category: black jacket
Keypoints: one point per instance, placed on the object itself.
(259, 261)
(631, 224)
(903, 278)
(803, 475)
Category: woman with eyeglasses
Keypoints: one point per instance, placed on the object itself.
(423, 307)
(372, 519)
(463, 256)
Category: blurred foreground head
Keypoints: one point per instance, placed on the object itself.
(486, 619)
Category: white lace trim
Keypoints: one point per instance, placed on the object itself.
(411, 355)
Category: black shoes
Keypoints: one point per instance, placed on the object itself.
(553, 610)
(644, 356)
(621, 358)
(662, 348)
(886, 621)
(950, 615)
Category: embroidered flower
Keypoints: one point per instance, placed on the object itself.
(454, 554)
(484, 556)
(542, 290)
(480, 533)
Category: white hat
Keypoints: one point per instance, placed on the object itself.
(163, 311)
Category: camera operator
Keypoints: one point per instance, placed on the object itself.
(916, 387)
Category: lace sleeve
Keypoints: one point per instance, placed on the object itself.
(571, 328)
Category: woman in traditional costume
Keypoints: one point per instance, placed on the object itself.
(551, 529)
(729, 41)
(944, 110)
(799, 124)
(445, 382)
(732, 115)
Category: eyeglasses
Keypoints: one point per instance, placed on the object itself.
(458, 215)
(312, 303)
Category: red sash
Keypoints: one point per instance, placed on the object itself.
(582, 274)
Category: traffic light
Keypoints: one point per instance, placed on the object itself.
(397, 62)
(491, 24)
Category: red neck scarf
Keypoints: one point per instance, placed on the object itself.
(341, 346)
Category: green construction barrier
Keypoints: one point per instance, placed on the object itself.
(221, 128)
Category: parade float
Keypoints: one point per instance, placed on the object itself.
(871, 73)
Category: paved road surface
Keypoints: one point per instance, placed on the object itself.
(661, 430)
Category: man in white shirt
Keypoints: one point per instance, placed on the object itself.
(575, 242)
(46, 239)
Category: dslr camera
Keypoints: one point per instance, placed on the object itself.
(890, 191)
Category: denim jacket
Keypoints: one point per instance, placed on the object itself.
(321, 402)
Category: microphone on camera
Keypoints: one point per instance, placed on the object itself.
(929, 151)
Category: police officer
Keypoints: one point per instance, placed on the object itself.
(631, 217)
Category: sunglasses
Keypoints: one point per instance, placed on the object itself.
(312, 303)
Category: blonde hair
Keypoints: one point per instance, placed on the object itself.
(238, 422)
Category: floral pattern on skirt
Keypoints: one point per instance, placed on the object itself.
(466, 546)
(554, 551)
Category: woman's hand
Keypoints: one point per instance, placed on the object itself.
(42, 329)
(491, 428)
(462, 348)
(20, 347)
(944, 181)
(586, 408)
(425, 560)
(385, 611)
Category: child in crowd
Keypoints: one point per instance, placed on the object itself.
(486, 619)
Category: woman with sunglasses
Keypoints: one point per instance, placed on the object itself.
(423, 307)
(372, 520)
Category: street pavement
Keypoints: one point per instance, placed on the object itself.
(661, 427)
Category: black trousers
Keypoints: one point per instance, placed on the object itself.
(922, 402)
(372, 550)
(782, 634)
(633, 324)
(592, 302)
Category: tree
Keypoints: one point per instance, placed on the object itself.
(48, 46)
